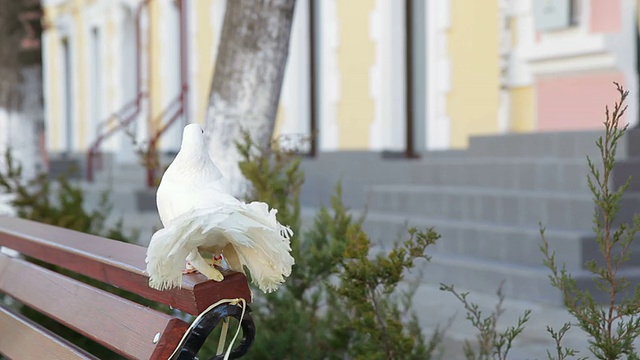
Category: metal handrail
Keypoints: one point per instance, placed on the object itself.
(95, 147)
(182, 98)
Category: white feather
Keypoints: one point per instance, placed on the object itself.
(198, 213)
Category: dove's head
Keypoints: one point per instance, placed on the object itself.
(192, 138)
(193, 157)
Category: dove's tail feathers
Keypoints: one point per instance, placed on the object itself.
(260, 243)
(165, 259)
(248, 235)
(167, 252)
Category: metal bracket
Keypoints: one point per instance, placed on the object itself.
(199, 333)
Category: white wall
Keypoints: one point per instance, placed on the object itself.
(294, 98)
(328, 75)
(387, 76)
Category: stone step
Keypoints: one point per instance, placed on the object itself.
(530, 283)
(470, 273)
(144, 224)
(478, 257)
(133, 174)
(627, 170)
(500, 243)
(491, 242)
(114, 172)
(631, 145)
(357, 173)
(569, 144)
(559, 211)
(498, 253)
(69, 167)
(528, 174)
(122, 198)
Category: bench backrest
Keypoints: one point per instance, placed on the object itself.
(128, 328)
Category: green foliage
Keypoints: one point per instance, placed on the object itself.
(613, 327)
(338, 302)
(561, 352)
(375, 327)
(56, 202)
(60, 203)
(491, 344)
(276, 178)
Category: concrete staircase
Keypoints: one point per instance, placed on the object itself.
(486, 202)
(124, 183)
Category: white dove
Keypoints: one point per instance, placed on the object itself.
(199, 215)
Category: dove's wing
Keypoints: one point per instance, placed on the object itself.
(170, 246)
(175, 196)
(247, 235)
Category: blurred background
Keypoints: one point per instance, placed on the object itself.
(471, 116)
(404, 76)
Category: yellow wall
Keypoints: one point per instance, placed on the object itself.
(355, 109)
(638, 13)
(154, 55)
(472, 103)
(111, 58)
(53, 98)
(74, 9)
(513, 29)
(205, 37)
(280, 119)
(79, 48)
(522, 109)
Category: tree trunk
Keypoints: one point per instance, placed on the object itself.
(21, 107)
(248, 77)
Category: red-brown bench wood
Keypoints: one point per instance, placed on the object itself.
(116, 263)
(124, 326)
(23, 339)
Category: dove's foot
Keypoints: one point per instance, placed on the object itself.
(189, 269)
(213, 274)
(216, 261)
(198, 263)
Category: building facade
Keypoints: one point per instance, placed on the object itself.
(377, 75)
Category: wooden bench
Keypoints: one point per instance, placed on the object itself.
(126, 327)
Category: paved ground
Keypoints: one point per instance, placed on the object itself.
(439, 307)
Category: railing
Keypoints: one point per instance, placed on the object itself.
(151, 155)
(182, 99)
(94, 157)
(121, 123)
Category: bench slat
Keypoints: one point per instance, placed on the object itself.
(116, 263)
(23, 339)
(119, 324)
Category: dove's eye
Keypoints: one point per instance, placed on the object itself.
(202, 131)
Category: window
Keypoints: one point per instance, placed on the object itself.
(575, 12)
(96, 82)
(553, 15)
(67, 93)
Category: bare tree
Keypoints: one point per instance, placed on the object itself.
(248, 77)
